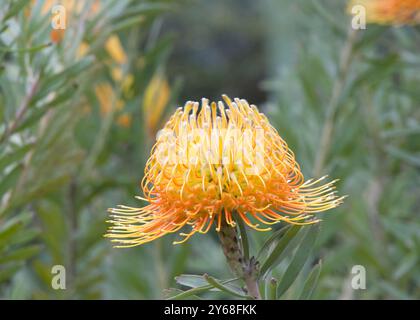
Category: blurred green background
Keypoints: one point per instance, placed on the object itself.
(79, 111)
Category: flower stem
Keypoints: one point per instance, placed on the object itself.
(247, 269)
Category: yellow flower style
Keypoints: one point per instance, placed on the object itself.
(214, 164)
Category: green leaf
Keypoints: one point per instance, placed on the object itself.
(329, 17)
(191, 292)
(377, 70)
(63, 78)
(200, 284)
(37, 113)
(43, 272)
(10, 179)
(173, 292)
(125, 24)
(278, 249)
(369, 37)
(407, 264)
(191, 280)
(7, 272)
(14, 9)
(299, 259)
(272, 289)
(25, 236)
(196, 281)
(9, 231)
(142, 9)
(225, 288)
(400, 132)
(15, 155)
(20, 254)
(403, 155)
(311, 282)
(29, 50)
(394, 291)
(273, 239)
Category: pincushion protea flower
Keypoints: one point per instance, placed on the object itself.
(214, 164)
(396, 12)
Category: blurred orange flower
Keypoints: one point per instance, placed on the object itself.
(106, 97)
(124, 120)
(393, 12)
(57, 35)
(115, 50)
(155, 100)
(75, 6)
(71, 7)
(104, 91)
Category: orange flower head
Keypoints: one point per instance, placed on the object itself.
(393, 12)
(215, 164)
(57, 35)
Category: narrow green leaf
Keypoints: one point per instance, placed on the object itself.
(37, 113)
(227, 289)
(191, 292)
(15, 155)
(278, 249)
(400, 132)
(329, 17)
(369, 37)
(406, 264)
(25, 236)
(394, 291)
(173, 292)
(7, 272)
(144, 8)
(378, 69)
(403, 155)
(274, 238)
(9, 231)
(311, 282)
(43, 272)
(20, 254)
(127, 23)
(89, 282)
(62, 78)
(299, 259)
(14, 9)
(272, 289)
(10, 179)
(29, 50)
(191, 280)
